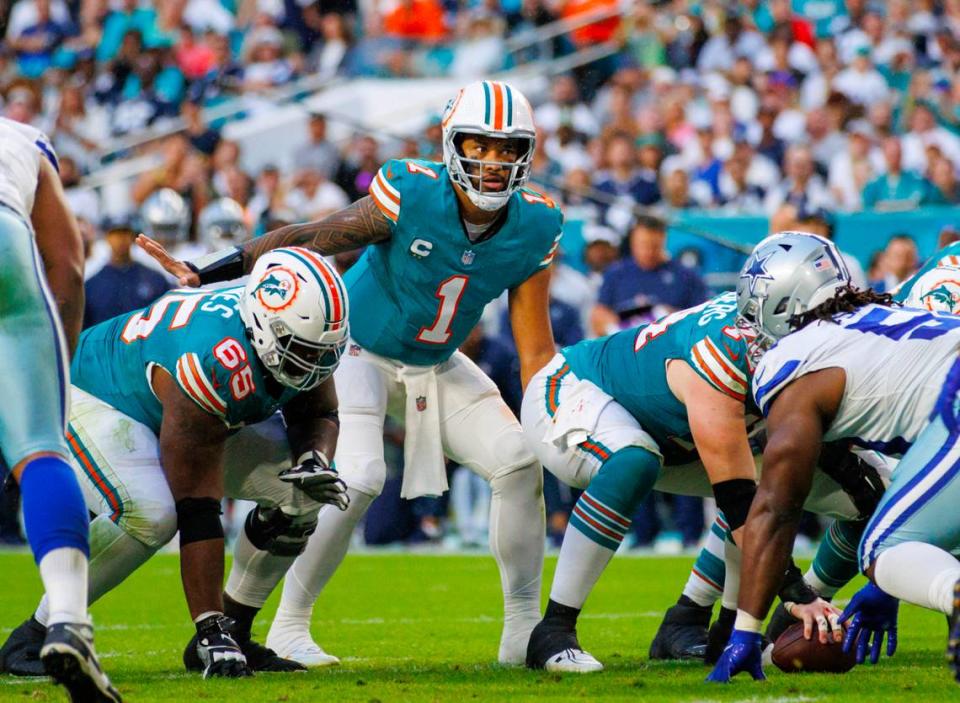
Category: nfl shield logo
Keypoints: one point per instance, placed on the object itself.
(467, 257)
(421, 403)
(354, 350)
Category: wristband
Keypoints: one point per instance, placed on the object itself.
(223, 265)
(746, 622)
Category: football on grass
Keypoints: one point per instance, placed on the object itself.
(792, 653)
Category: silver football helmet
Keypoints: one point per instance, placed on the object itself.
(220, 224)
(786, 274)
(165, 216)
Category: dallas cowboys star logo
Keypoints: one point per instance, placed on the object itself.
(757, 272)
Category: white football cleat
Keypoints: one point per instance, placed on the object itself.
(300, 647)
(573, 661)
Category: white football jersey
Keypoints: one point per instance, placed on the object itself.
(895, 361)
(21, 148)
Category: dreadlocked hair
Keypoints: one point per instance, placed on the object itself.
(846, 299)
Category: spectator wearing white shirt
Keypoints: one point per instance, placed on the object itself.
(861, 82)
(720, 51)
(314, 196)
(925, 132)
(855, 166)
(566, 109)
(802, 187)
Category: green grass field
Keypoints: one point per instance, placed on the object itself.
(425, 628)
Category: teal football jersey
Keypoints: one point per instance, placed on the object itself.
(416, 296)
(631, 366)
(948, 256)
(199, 339)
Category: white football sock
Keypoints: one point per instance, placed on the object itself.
(255, 572)
(64, 574)
(579, 567)
(699, 590)
(114, 555)
(326, 548)
(731, 583)
(517, 530)
(918, 573)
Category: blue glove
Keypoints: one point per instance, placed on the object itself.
(741, 654)
(871, 613)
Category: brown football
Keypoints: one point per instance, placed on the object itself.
(792, 653)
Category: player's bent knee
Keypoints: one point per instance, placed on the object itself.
(526, 478)
(153, 524)
(272, 530)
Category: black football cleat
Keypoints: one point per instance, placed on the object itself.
(259, 658)
(68, 656)
(719, 635)
(554, 646)
(682, 633)
(20, 654)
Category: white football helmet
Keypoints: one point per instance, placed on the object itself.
(165, 216)
(938, 290)
(492, 109)
(296, 312)
(221, 225)
(786, 274)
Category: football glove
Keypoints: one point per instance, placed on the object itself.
(741, 654)
(871, 613)
(317, 480)
(218, 651)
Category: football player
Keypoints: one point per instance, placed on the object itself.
(683, 634)
(850, 366)
(157, 395)
(659, 406)
(443, 240)
(40, 318)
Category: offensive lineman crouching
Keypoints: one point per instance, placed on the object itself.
(158, 394)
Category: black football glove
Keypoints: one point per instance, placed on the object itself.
(319, 481)
(219, 652)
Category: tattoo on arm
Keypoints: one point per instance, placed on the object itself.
(352, 227)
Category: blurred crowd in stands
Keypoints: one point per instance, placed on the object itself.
(790, 110)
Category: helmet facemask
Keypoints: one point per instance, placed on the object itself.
(299, 363)
(468, 173)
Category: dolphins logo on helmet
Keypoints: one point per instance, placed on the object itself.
(296, 312)
(938, 290)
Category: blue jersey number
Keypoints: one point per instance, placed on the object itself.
(919, 325)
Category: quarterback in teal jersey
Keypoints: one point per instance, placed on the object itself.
(160, 397)
(445, 238)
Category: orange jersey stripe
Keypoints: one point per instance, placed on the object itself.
(385, 189)
(713, 377)
(722, 360)
(199, 379)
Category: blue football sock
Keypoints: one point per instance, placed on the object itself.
(54, 512)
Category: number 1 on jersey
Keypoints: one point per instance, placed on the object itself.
(449, 292)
